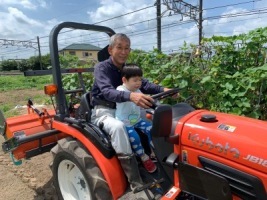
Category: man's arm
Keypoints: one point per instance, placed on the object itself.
(150, 88)
(143, 100)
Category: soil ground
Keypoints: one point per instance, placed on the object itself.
(32, 180)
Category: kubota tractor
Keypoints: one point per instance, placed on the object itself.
(201, 154)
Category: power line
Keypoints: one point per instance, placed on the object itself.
(234, 4)
(118, 16)
(212, 17)
(184, 22)
(261, 11)
(18, 43)
(246, 13)
(124, 14)
(154, 18)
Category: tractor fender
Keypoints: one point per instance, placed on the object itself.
(110, 167)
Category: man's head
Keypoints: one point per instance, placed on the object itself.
(119, 49)
(132, 77)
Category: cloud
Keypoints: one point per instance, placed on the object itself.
(18, 17)
(260, 4)
(24, 3)
(109, 9)
(42, 3)
(233, 22)
(18, 25)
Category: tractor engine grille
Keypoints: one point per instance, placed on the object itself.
(243, 185)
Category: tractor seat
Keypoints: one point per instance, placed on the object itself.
(85, 108)
(83, 123)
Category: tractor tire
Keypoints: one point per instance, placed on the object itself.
(76, 173)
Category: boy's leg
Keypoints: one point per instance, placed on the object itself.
(139, 150)
(135, 141)
(145, 127)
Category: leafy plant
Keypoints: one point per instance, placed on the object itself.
(229, 75)
(226, 74)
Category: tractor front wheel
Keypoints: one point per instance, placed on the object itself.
(76, 174)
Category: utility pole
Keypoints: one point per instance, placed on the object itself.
(39, 49)
(200, 22)
(159, 24)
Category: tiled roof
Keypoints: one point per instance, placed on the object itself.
(81, 47)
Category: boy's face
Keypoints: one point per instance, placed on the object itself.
(133, 83)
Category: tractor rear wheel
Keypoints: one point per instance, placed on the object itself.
(76, 174)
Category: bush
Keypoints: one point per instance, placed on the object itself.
(23, 65)
(8, 65)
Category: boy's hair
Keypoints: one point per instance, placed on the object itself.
(118, 36)
(131, 70)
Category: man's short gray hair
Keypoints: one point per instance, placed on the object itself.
(118, 36)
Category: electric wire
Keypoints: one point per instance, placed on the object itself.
(252, 12)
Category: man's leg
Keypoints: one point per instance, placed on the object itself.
(121, 145)
(113, 127)
(119, 137)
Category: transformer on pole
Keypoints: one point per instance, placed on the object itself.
(188, 10)
(21, 43)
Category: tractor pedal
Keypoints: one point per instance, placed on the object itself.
(148, 185)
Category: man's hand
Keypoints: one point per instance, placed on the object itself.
(141, 99)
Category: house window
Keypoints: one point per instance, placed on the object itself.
(86, 54)
(72, 53)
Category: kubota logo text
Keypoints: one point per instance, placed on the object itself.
(220, 148)
(257, 160)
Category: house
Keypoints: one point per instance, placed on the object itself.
(82, 51)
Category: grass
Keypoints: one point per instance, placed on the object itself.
(15, 90)
(15, 82)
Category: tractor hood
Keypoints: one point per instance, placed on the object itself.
(240, 139)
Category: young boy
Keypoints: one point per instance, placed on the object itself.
(129, 113)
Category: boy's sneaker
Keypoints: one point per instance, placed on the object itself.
(148, 164)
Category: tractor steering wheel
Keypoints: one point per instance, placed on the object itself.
(163, 95)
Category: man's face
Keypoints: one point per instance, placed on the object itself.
(120, 52)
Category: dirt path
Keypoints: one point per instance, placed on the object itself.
(30, 181)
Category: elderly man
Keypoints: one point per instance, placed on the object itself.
(107, 79)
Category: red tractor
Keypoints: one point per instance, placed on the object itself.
(201, 154)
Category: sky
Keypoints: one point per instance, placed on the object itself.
(23, 21)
